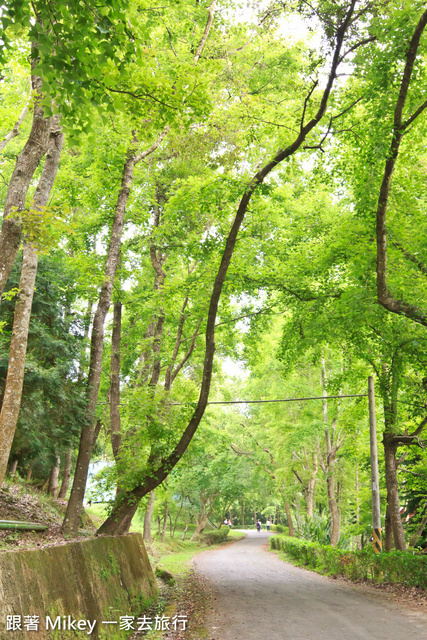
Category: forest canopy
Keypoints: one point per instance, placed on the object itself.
(195, 189)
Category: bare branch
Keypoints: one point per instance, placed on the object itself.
(182, 318)
(246, 315)
(357, 45)
(419, 429)
(15, 130)
(267, 451)
(295, 472)
(276, 124)
(139, 96)
(189, 352)
(347, 108)
(384, 296)
(406, 440)
(421, 266)
(205, 33)
(239, 452)
(153, 147)
(402, 459)
(308, 96)
(170, 42)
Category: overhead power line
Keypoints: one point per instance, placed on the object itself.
(356, 395)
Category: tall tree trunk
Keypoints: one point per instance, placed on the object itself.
(88, 434)
(115, 426)
(289, 519)
(80, 375)
(87, 438)
(165, 521)
(401, 125)
(201, 522)
(54, 478)
(12, 467)
(18, 348)
(357, 495)
(333, 508)
(311, 485)
(153, 477)
(86, 324)
(390, 381)
(388, 530)
(393, 494)
(185, 529)
(66, 475)
(332, 445)
(29, 473)
(176, 519)
(25, 167)
(147, 518)
(21, 319)
(359, 545)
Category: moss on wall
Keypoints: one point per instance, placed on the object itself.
(100, 579)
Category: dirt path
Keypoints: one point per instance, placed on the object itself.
(258, 596)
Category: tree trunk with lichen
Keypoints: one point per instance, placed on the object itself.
(54, 479)
(66, 475)
(289, 519)
(87, 438)
(393, 505)
(23, 173)
(148, 517)
(21, 319)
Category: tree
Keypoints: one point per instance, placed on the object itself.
(72, 516)
(18, 347)
(342, 32)
(52, 400)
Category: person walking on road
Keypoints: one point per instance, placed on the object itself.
(258, 525)
(268, 523)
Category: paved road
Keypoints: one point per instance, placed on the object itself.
(258, 596)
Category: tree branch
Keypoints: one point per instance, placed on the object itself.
(189, 352)
(357, 45)
(421, 266)
(15, 130)
(295, 472)
(419, 429)
(205, 33)
(153, 147)
(384, 296)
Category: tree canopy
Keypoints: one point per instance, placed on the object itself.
(194, 184)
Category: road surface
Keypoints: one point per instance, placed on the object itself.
(257, 596)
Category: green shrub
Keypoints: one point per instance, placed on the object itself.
(216, 536)
(278, 527)
(402, 567)
(315, 529)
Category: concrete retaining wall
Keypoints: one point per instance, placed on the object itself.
(70, 586)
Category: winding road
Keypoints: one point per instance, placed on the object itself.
(258, 596)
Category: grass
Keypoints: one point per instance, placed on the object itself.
(173, 555)
(97, 513)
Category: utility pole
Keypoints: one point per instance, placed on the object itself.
(375, 488)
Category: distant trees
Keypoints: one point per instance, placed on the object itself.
(52, 400)
(214, 173)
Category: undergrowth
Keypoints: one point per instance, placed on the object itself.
(395, 567)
